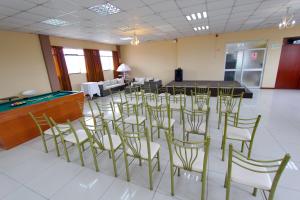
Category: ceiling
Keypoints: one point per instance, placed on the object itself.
(150, 19)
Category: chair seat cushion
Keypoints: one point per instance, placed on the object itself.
(154, 148)
(63, 127)
(238, 133)
(164, 123)
(81, 134)
(116, 142)
(250, 178)
(191, 155)
(132, 119)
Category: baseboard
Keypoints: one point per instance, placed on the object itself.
(267, 88)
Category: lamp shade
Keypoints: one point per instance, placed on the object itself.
(123, 68)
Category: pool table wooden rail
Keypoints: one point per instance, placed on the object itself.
(17, 127)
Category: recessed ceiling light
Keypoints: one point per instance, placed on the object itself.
(105, 9)
(194, 16)
(207, 27)
(204, 14)
(195, 29)
(199, 28)
(188, 18)
(199, 15)
(126, 38)
(55, 22)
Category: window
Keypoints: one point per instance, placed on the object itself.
(106, 58)
(75, 60)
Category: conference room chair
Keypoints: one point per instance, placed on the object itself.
(110, 113)
(47, 131)
(258, 174)
(201, 101)
(160, 119)
(225, 91)
(135, 98)
(137, 145)
(131, 117)
(239, 129)
(229, 104)
(76, 137)
(177, 100)
(101, 140)
(190, 156)
(195, 122)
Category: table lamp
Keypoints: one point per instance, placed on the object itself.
(124, 69)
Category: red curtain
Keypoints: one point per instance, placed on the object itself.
(116, 60)
(61, 68)
(94, 71)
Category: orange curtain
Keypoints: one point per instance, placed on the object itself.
(116, 60)
(61, 68)
(94, 71)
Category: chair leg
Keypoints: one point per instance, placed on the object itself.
(254, 192)
(158, 161)
(66, 151)
(94, 153)
(225, 181)
(178, 171)
(172, 179)
(242, 148)
(150, 174)
(223, 148)
(44, 143)
(109, 154)
(203, 186)
(114, 163)
(80, 155)
(151, 130)
(126, 166)
(56, 146)
(219, 120)
(158, 132)
(228, 185)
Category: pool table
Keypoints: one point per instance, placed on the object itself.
(17, 127)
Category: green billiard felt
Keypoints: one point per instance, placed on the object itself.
(34, 100)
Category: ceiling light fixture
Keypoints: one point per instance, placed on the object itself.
(288, 20)
(195, 29)
(196, 16)
(55, 22)
(135, 41)
(207, 27)
(199, 28)
(203, 27)
(105, 9)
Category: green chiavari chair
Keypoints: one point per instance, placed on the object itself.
(163, 95)
(200, 101)
(229, 104)
(131, 117)
(138, 146)
(189, 156)
(225, 91)
(101, 140)
(135, 98)
(47, 131)
(160, 118)
(109, 112)
(177, 100)
(195, 122)
(239, 129)
(76, 137)
(254, 173)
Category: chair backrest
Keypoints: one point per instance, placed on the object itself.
(201, 100)
(228, 91)
(200, 90)
(193, 120)
(41, 122)
(96, 136)
(106, 108)
(133, 141)
(119, 95)
(159, 114)
(232, 103)
(188, 151)
(178, 90)
(244, 123)
(275, 167)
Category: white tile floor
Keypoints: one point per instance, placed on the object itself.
(28, 173)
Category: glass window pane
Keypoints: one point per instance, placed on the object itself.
(251, 78)
(253, 59)
(105, 53)
(234, 60)
(75, 64)
(107, 63)
(73, 51)
(233, 76)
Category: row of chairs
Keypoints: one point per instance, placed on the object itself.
(131, 137)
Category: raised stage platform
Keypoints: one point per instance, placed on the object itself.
(212, 85)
